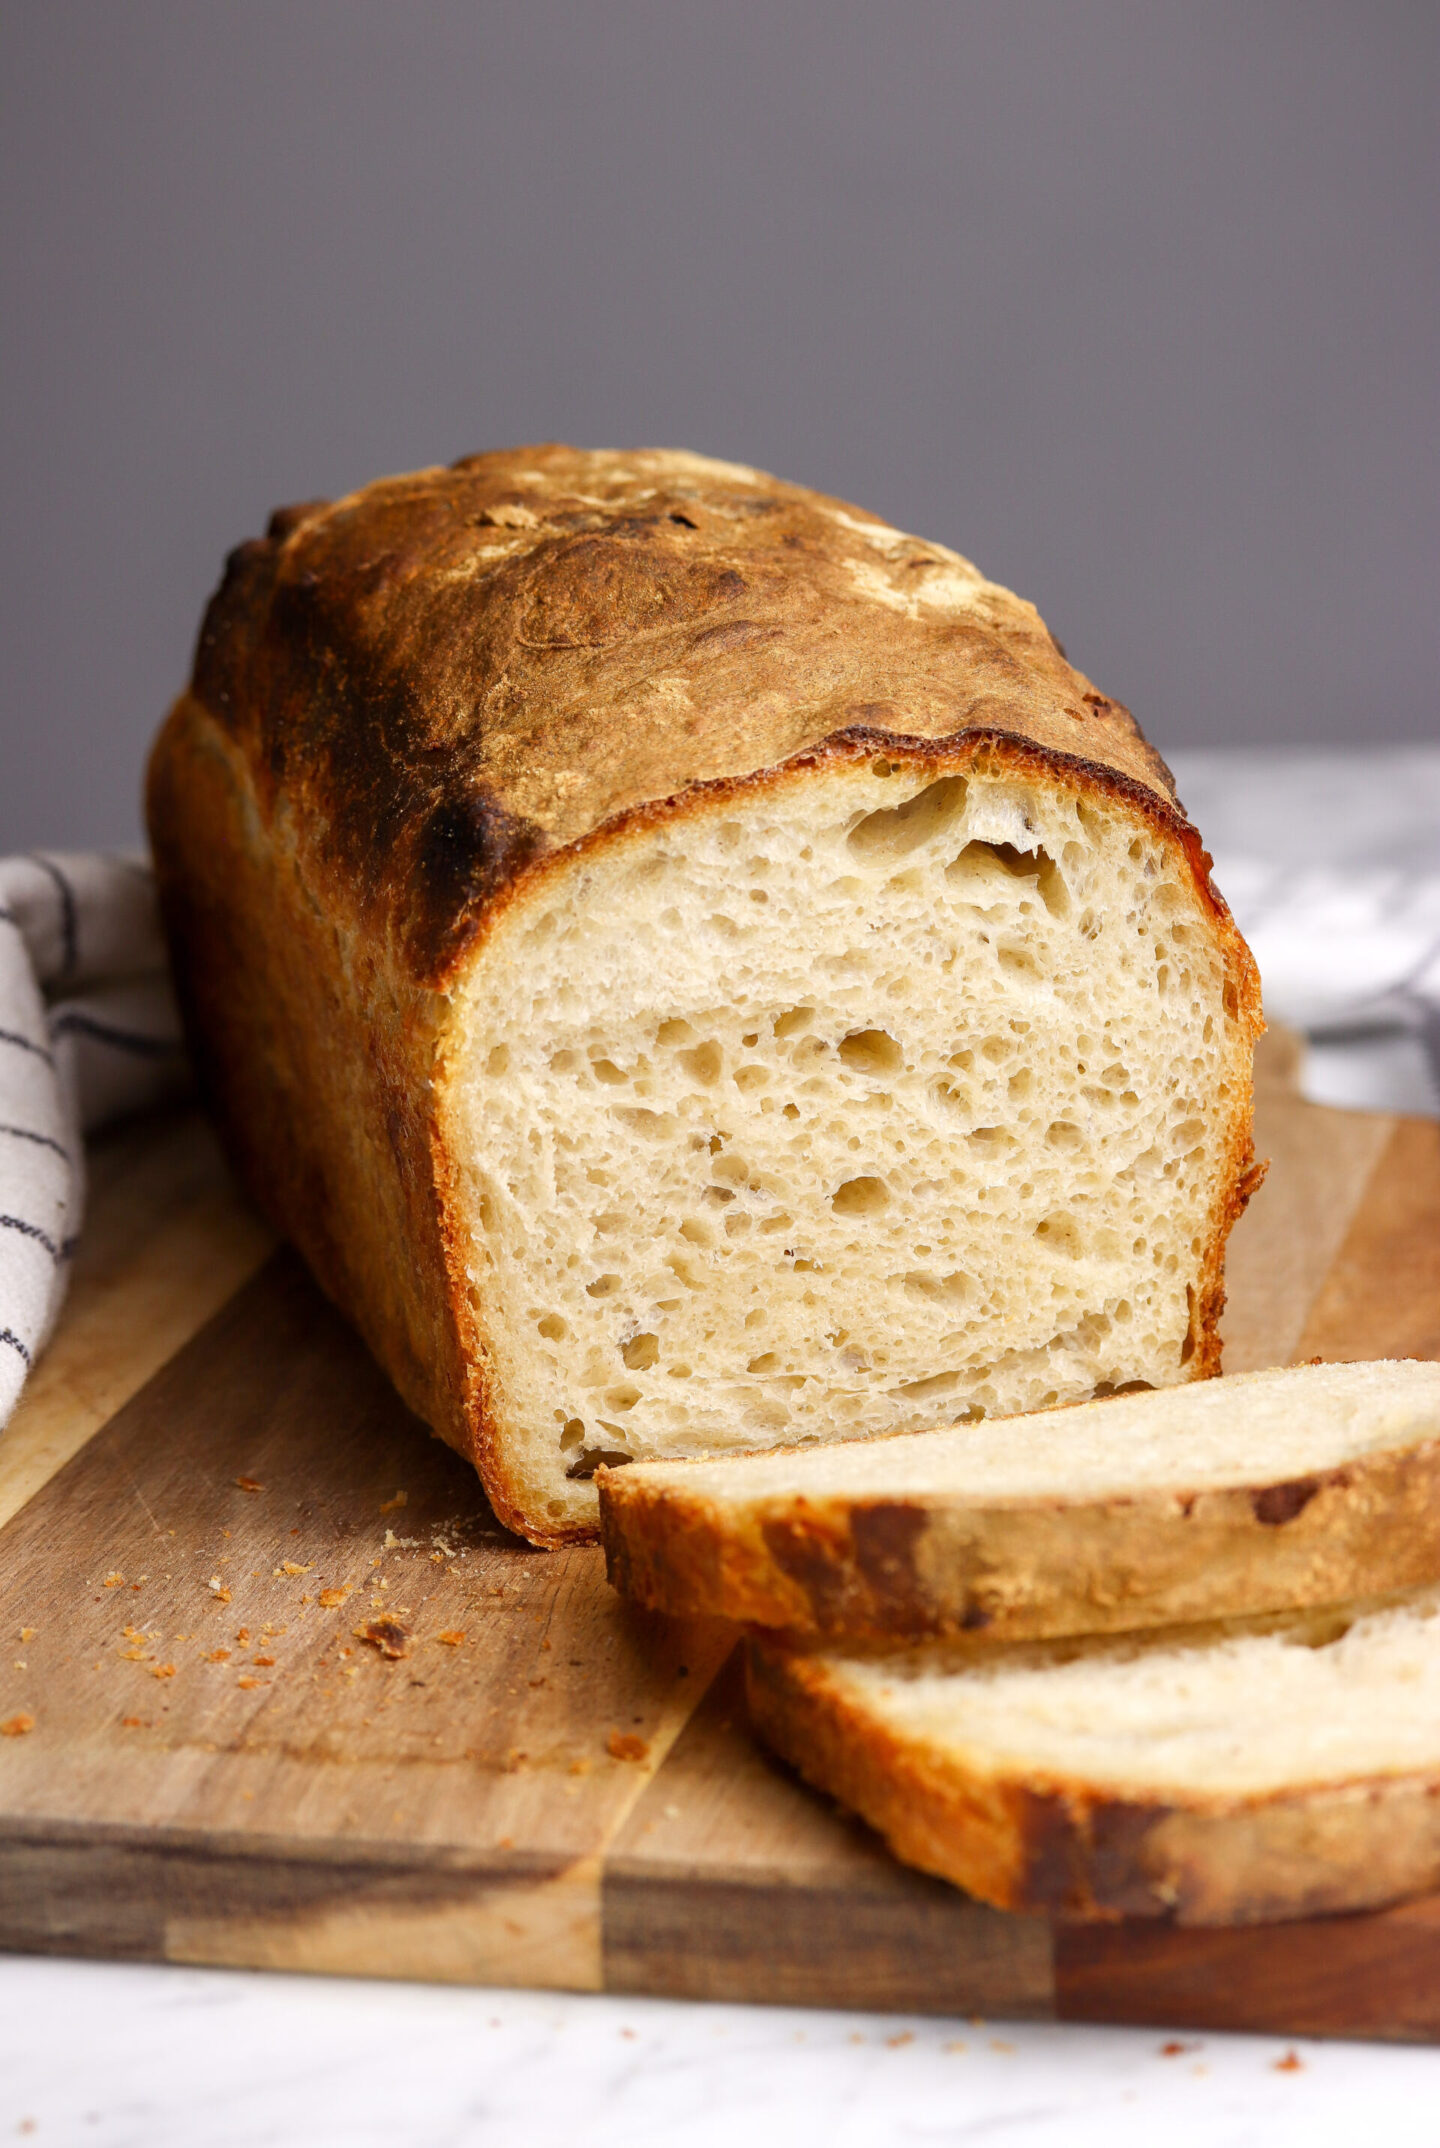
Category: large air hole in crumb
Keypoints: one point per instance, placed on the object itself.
(1062, 1234)
(591, 1458)
(956, 1289)
(930, 1388)
(985, 872)
(860, 1197)
(705, 1063)
(1017, 960)
(871, 1051)
(641, 1352)
(894, 831)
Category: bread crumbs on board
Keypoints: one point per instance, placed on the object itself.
(17, 1726)
(387, 1635)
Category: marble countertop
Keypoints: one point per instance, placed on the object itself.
(125, 2056)
(138, 2056)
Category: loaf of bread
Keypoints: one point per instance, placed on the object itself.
(1281, 1768)
(694, 968)
(1258, 1492)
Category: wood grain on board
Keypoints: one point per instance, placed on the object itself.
(268, 1614)
(168, 1238)
(300, 1702)
(1283, 1247)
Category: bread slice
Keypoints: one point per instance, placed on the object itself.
(693, 967)
(1226, 1775)
(1306, 1485)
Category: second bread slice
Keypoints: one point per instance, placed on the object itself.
(1301, 1486)
(1229, 1774)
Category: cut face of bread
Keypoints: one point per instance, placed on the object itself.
(1218, 1776)
(876, 1098)
(1307, 1485)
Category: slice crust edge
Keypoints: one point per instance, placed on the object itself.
(1071, 1850)
(854, 1567)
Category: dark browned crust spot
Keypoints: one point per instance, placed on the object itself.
(885, 1533)
(817, 1563)
(1276, 1504)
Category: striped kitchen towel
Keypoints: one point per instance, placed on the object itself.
(88, 1032)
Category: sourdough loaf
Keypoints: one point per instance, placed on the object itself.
(1280, 1768)
(1265, 1490)
(693, 967)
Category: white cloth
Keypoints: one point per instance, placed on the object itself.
(88, 1032)
(1353, 960)
(1330, 859)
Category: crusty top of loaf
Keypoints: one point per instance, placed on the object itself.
(445, 675)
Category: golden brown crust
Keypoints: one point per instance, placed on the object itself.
(448, 674)
(861, 1568)
(410, 707)
(1078, 1852)
(315, 1060)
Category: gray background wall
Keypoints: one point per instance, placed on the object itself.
(1135, 303)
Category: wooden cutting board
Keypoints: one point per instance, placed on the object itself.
(209, 1494)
